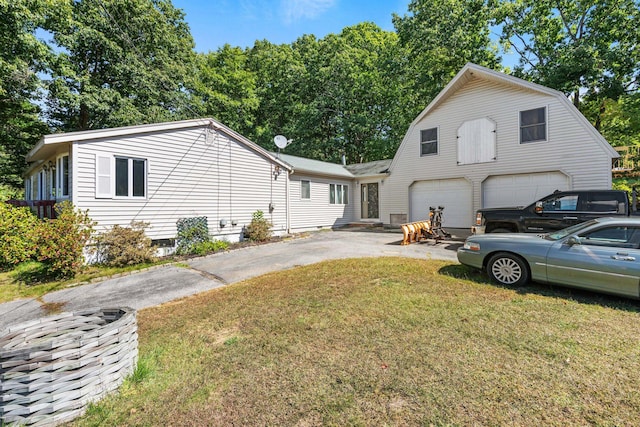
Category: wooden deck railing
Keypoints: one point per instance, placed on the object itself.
(42, 208)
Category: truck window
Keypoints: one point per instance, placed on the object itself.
(606, 202)
(567, 202)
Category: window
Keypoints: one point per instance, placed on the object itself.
(62, 180)
(130, 177)
(567, 202)
(533, 125)
(618, 236)
(305, 189)
(338, 194)
(429, 141)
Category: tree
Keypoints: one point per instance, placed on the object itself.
(120, 62)
(22, 56)
(587, 49)
(440, 37)
(353, 97)
(280, 75)
(226, 89)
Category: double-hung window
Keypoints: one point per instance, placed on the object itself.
(533, 125)
(338, 194)
(429, 142)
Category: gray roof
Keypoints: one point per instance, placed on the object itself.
(371, 168)
(316, 167)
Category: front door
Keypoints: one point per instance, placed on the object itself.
(369, 201)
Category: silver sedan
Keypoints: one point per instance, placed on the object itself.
(602, 255)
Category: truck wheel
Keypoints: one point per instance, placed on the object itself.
(501, 230)
(508, 269)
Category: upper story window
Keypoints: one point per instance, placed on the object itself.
(428, 141)
(533, 125)
(305, 189)
(338, 194)
(62, 178)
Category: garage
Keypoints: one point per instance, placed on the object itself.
(454, 194)
(521, 189)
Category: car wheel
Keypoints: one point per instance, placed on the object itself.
(501, 230)
(508, 269)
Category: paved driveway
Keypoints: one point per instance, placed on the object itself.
(166, 283)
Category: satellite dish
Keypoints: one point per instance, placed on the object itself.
(280, 141)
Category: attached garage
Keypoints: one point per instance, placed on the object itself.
(521, 189)
(454, 194)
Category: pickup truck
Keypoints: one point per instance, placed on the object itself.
(553, 212)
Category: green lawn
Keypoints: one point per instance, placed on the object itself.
(388, 341)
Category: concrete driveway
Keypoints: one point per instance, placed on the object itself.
(166, 283)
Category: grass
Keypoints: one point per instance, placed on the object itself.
(388, 341)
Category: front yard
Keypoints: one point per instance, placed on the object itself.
(386, 341)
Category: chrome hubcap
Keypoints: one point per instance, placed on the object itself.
(506, 270)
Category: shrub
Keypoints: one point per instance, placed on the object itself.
(61, 241)
(204, 248)
(259, 229)
(123, 246)
(18, 228)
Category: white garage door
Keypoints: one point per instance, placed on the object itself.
(521, 189)
(454, 194)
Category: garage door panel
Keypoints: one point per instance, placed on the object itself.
(521, 189)
(454, 194)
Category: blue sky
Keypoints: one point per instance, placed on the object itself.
(241, 22)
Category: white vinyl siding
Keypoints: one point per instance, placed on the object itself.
(571, 147)
(477, 141)
(317, 211)
(186, 177)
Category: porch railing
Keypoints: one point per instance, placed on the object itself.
(42, 208)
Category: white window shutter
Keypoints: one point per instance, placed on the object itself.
(104, 177)
(477, 141)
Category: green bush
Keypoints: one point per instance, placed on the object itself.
(18, 228)
(259, 229)
(61, 241)
(211, 246)
(122, 246)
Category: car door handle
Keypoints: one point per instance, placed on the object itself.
(622, 257)
(569, 217)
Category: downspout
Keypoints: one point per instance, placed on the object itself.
(288, 207)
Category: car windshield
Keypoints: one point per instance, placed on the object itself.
(560, 234)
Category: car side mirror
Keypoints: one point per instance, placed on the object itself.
(573, 240)
(538, 208)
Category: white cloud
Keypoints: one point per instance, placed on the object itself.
(296, 10)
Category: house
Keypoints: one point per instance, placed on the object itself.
(161, 173)
(489, 140)
(164, 172)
